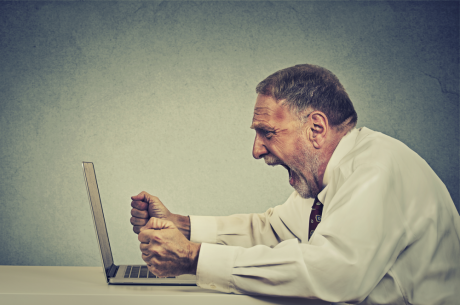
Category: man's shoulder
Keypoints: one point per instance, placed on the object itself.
(375, 139)
(374, 148)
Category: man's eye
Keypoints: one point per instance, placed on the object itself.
(265, 133)
(268, 134)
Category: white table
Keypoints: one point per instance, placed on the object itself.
(86, 285)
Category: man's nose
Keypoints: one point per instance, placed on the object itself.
(259, 149)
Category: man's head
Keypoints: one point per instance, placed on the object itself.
(301, 113)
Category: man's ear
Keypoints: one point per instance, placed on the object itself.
(317, 129)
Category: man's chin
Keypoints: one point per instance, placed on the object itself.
(304, 190)
(305, 195)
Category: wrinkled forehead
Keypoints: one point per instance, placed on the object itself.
(267, 109)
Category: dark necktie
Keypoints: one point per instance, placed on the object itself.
(315, 216)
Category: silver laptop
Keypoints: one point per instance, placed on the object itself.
(124, 274)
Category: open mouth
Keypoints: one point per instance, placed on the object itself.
(291, 178)
(275, 162)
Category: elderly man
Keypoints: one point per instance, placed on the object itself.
(369, 221)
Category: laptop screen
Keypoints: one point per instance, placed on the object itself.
(98, 215)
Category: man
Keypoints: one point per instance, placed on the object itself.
(369, 221)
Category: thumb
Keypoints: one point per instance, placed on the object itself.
(157, 224)
(142, 196)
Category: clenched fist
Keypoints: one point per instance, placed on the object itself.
(145, 206)
(165, 249)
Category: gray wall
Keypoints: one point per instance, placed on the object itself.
(159, 95)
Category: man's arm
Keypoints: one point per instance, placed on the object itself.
(168, 253)
(246, 230)
(348, 255)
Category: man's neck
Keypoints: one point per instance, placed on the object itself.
(329, 148)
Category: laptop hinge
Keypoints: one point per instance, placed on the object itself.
(113, 271)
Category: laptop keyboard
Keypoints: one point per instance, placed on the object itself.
(139, 272)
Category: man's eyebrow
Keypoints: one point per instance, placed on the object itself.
(263, 110)
(261, 126)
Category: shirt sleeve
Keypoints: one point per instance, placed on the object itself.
(245, 230)
(350, 251)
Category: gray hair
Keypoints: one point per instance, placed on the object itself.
(307, 86)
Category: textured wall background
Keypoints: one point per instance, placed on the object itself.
(159, 95)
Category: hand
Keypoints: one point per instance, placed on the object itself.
(166, 250)
(146, 206)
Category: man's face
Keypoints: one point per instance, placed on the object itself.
(280, 140)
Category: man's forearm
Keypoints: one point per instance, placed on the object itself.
(182, 223)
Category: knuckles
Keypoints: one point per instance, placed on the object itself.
(156, 237)
(151, 254)
(140, 205)
(135, 221)
(139, 213)
(157, 268)
(150, 236)
(143, 238)
(150, 198)
(153, 199)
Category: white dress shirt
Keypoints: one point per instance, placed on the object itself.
(390, 234)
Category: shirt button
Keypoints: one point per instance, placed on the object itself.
(212, 286)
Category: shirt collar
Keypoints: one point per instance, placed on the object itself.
(343, 148)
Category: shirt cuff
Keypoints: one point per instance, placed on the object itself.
(215, 265)
(203, 229)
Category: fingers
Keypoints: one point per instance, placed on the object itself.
(149, 236)
(140, 196)
(154, 265)
(145, 249)
(149, 250)
(158, 224)
(146, 206)
(143, 237)
(137, 229)
(145, 197)
(139, 221)
(139, 205)
(139, 214)
(156, 259)
(142, 200)
(151, 232)
(166, 251)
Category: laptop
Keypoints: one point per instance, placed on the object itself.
(123, 274)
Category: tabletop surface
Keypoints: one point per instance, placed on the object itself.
(56, 284)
